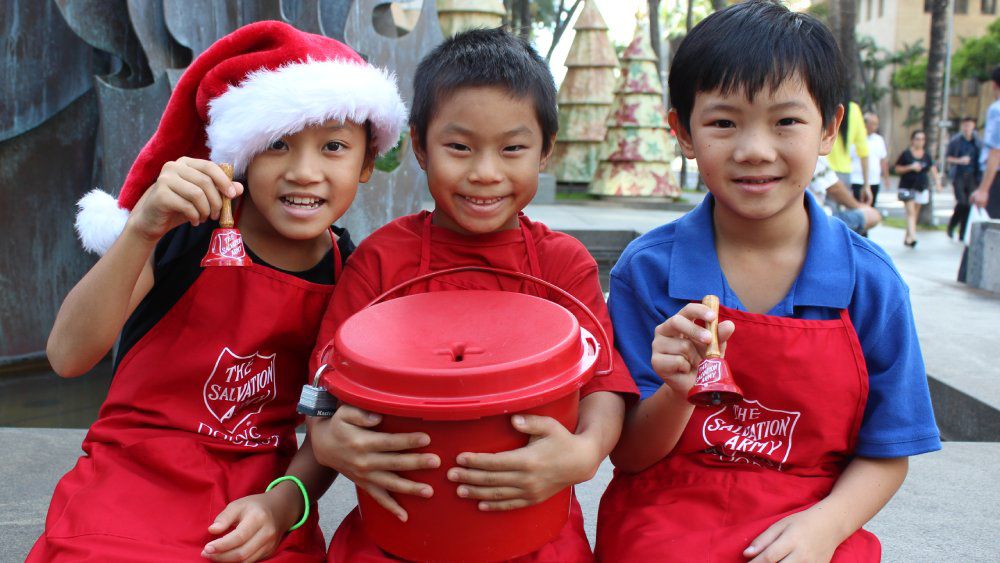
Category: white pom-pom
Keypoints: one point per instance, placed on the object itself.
(99, 221)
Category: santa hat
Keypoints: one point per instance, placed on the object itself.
(250, 88)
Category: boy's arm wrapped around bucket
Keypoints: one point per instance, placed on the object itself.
(371, 459)
(555, 458)
(815, 533)
(95, 310)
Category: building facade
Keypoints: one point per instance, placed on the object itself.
(894, 24)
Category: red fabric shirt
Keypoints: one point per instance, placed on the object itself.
(391, 255)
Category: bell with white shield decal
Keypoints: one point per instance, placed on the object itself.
(714, 384)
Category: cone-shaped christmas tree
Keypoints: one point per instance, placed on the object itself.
(585, 98)
(637, 151)
(461, 15)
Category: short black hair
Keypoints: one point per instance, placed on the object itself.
(969, 118)
(754, 44)
(484, 57)
(916, 132)
(995, 75)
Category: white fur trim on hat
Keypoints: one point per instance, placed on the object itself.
(270, 104)
(99, 221)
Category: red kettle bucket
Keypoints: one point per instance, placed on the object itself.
(456, 365)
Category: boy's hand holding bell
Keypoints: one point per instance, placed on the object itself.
(680, 344)
(187, 190)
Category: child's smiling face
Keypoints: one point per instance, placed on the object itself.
(306, 181)
(482, 153)
(757, 157)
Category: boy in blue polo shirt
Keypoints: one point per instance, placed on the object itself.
(817, 324)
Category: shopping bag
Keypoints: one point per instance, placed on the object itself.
(976, 214)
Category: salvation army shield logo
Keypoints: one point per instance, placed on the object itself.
(709, 371)
(749, 432)
(239, 387)
(227, 243)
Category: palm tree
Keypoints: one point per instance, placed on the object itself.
(833, 18)
(845, 37)
(934, 84)
(934, 89)
(654, 34)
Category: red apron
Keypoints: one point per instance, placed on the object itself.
(739, 469)
(350, 542)
(201, 412)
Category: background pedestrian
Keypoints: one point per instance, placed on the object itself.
(878, 162)
(964, 172)
(915, 168)
(988, 194)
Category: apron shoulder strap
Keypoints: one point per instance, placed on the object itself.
(529, 243)
(338, 263)
(425, 247)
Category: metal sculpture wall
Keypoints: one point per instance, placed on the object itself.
(84, 85)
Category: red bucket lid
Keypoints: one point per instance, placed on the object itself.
(453, 355)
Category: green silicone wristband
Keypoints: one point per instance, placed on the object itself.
(305, 497)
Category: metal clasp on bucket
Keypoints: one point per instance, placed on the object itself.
(509, 273)
(315, 400)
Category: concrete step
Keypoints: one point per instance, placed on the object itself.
(945, 511)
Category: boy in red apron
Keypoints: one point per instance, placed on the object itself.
(820, 336)
(483, 124)
(201, 411)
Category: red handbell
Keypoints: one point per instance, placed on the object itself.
(226, 248)
(714, 384)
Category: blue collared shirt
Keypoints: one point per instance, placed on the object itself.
(991, 133)
(676, 264)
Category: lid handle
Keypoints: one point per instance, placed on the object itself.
(512, 274)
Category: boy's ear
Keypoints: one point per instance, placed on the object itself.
(545, 157)
(419, 150)
(829, 133)
(683, 135)
(368, 166)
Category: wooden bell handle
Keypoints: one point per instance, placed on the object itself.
(712, 302)
(226, 215)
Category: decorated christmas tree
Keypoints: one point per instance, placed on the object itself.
(638, 149)
(462, 15)
(585, 98)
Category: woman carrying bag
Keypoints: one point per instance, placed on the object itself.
(915, 168)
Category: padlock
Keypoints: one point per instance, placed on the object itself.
(315, 400)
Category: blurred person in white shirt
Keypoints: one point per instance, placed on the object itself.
(878, 164)
(838, 200)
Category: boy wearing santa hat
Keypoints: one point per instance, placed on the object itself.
(201, 411)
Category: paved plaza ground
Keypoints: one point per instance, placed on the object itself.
(946, 510)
